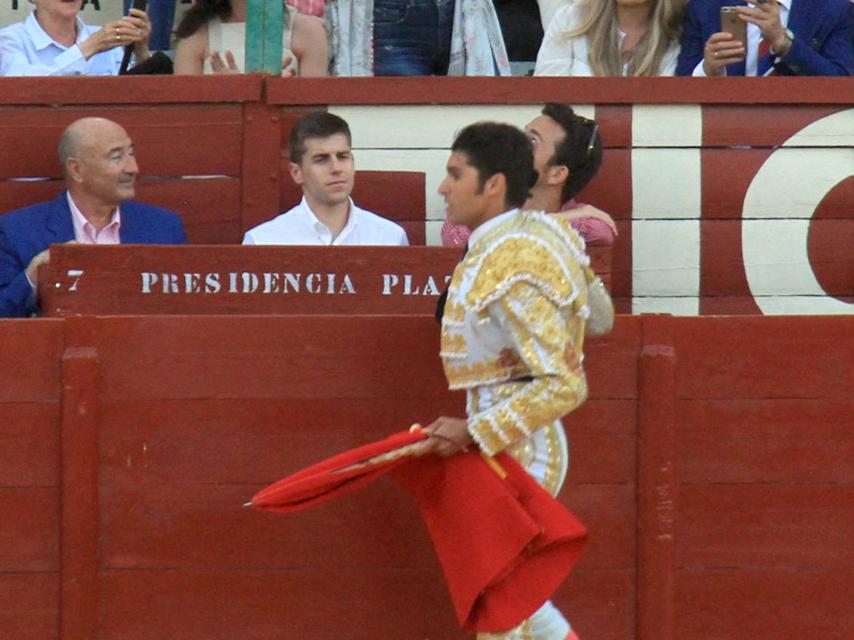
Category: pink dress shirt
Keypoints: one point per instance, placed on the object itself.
(595, 232)
(86, 233)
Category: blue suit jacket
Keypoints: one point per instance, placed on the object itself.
(822, 45)
(29, 231)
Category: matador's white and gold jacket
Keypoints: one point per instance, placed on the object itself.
(513, 336)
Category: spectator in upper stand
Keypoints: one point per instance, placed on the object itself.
(212, 39)
(100, 170)
(416, 38)
(322, 164)
(612, 38)
(785, 37)
(54, 41)
(567, 155)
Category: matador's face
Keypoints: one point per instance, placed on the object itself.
(465, 202)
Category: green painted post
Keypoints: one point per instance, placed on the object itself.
(264, 36)
(273, 37)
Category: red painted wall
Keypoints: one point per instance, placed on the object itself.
(711, 465)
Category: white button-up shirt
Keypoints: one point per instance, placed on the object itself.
(301, 226)
(27, 50)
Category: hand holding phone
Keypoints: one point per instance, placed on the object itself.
(728, 46)
(140, 5)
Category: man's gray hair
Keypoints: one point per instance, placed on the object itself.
(69, 145)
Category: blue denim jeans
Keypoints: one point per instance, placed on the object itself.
(412, 37)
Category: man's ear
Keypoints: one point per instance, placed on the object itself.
(557, 174)
(296, 173)
(73, 168)
(495, 185)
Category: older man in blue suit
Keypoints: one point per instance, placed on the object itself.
(100, 170)
(784, 37)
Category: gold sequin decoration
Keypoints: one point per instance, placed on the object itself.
(520, 259)
(453, 343)
(523, 275)
(554, 460)
(524, 452)
(454, 313)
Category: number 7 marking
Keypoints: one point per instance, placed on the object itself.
(76, 274)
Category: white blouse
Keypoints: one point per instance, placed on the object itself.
(231, 36)
(562, 56)
(548, 9)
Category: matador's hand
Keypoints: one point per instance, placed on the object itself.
(448, 436)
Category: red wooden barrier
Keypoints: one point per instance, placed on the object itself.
(85, 280)
(110, 280)
(30, 428)
(214, 149)
(710, 464)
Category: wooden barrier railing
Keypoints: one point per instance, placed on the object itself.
(710, 464)
(696, 172)
(181, 280)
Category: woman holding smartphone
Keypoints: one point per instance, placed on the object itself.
(54, 41)
(612, 38)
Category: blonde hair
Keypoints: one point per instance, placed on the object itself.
(598, 24)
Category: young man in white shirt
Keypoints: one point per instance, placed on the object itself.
(322, 164)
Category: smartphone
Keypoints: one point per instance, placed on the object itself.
(123, 68)
(732, 24)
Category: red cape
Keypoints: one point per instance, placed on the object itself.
(505, 544)
(334, 476)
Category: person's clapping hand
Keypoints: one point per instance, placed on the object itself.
(227, 64)
(288, 71)
(218, 65)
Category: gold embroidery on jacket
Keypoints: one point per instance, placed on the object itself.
(524, 285)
